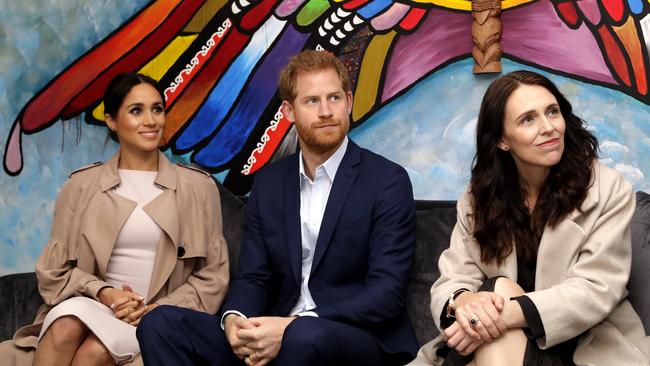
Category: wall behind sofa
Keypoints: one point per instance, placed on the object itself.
(416, 97)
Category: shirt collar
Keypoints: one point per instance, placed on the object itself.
(331, 165)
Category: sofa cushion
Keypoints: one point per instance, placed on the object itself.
(638, 285)
(19, 300)
(233, 212)
(435, 221)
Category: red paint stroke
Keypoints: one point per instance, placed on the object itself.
(270, 142)
(615, 9)
(196, 92)
(255, 16)
(194, 67)
(134, 59)
(45, 107)
(568, 13)
(412, 19)
(351, 5)
(615, 55)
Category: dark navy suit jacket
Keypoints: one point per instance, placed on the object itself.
(363, 254)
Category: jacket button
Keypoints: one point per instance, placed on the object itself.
(181, 251)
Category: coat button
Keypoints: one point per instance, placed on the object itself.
(181, 251)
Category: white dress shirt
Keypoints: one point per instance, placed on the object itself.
(313, 200)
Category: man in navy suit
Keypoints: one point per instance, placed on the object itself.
(327, 253)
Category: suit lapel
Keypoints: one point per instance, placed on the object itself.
(345, 177)
(292, 216)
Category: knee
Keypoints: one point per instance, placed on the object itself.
(305, 335)
(67, 331)
(507, 288)
(157, 322)
(92, 352)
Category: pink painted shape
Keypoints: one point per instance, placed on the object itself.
(287, 7)
(390, 17)
(590, 10)
(536, 33)
(13, 155)
(441, 36)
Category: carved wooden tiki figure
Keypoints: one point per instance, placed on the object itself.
(486, 33)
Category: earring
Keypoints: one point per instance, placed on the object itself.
(506, 148)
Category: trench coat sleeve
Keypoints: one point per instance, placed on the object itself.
(206, 287)
(58, 276)
(596, 283)
(457, 268)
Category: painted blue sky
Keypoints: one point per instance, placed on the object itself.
(430, 130)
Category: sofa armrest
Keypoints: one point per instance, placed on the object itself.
(638, 287)
(435, 221)
(19, 300)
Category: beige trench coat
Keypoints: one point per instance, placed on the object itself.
(583, 266)
(191, 266)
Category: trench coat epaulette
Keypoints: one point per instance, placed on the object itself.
(196, 169)
(97, 163)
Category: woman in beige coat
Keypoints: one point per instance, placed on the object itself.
(127, 236)
(539, 260)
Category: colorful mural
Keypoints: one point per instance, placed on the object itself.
(416, 99)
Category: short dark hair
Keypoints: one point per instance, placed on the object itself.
(310, 60)
(499, 213)
(120, 86)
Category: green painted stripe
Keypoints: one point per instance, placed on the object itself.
(311, 11)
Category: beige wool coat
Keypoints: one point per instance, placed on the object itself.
(583, 266)
(191, 267)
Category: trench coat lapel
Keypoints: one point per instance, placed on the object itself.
(163, 210)
(101, 236)
(559, 244)
(345, 177)
(292, 216)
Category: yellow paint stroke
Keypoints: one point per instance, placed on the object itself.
(159, 65)
(466, 5)
(370, 74)
(204, 15)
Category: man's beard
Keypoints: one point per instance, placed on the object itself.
(320, 141)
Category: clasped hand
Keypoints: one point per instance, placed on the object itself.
(126, 304)
(485, 308)
(257, 341)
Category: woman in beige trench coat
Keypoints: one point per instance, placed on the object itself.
(539, 260)
(185, 263)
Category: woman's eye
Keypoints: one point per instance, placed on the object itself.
(158, 109)
(135, 111)
(528, 119)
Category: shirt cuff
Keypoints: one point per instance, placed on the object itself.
(531, 314)
(223, 317)
(444, 321)
(307, 313)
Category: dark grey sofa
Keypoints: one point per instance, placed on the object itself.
(19, 297)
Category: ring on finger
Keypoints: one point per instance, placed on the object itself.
(474, 320)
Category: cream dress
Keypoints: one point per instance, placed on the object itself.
(131, 263)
